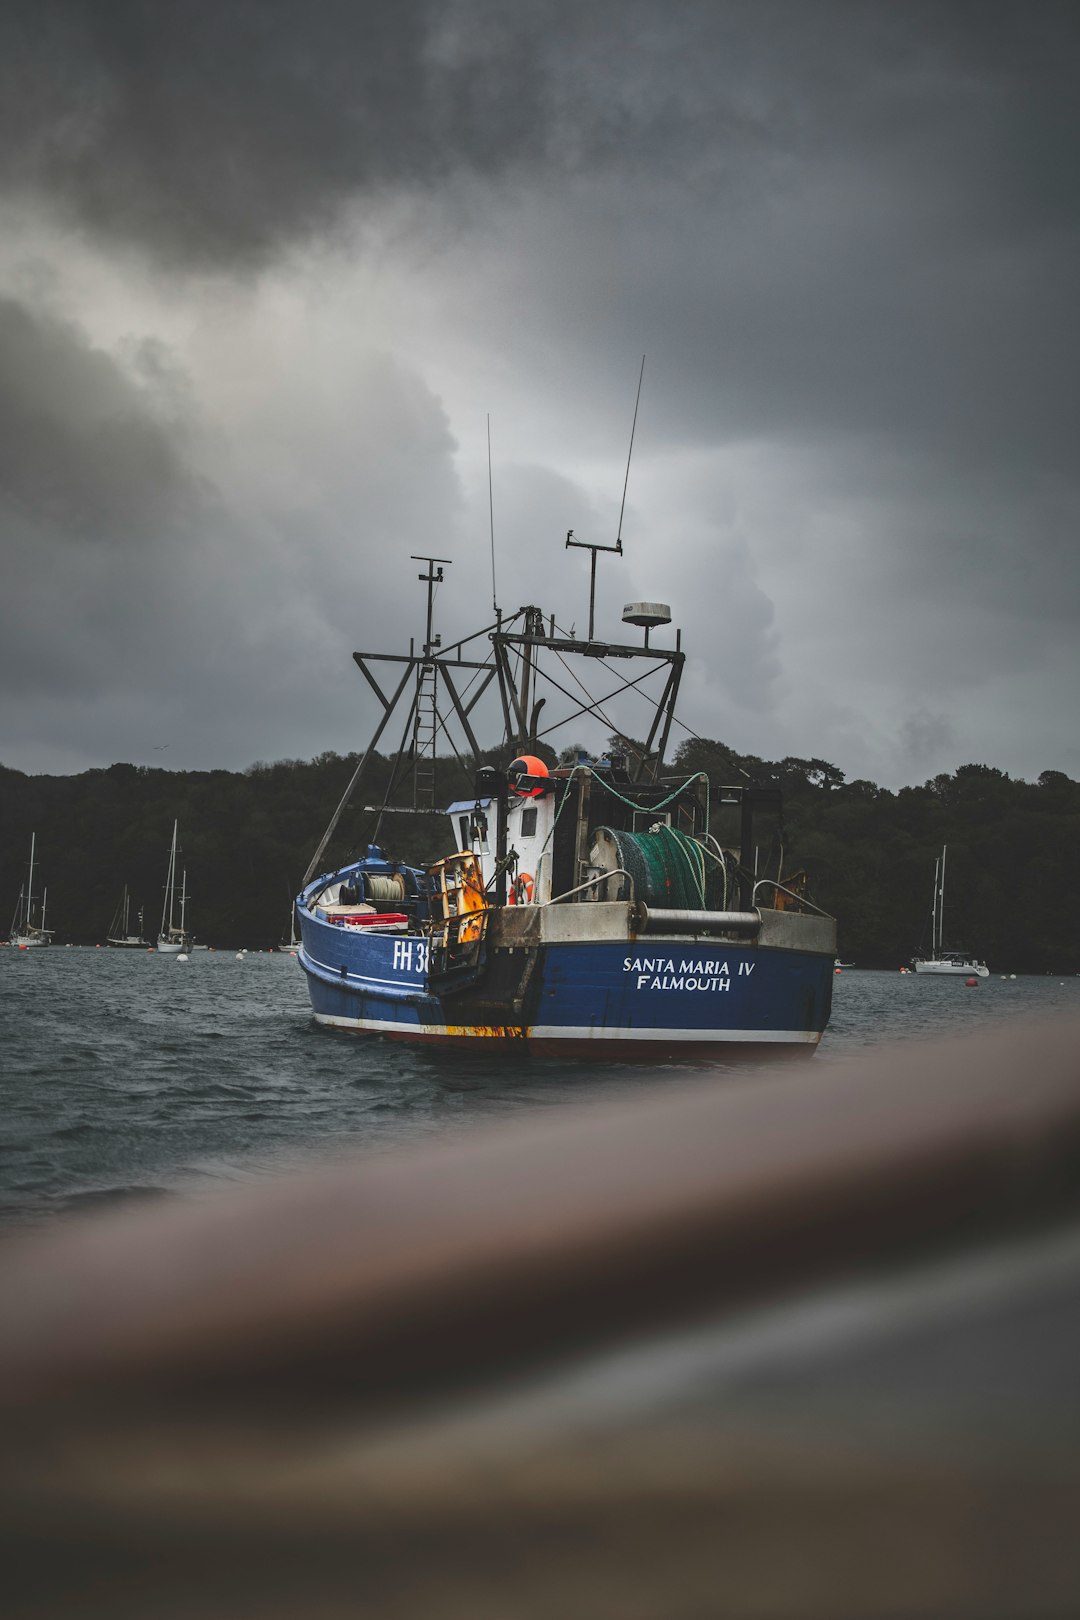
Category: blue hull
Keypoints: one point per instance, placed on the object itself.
(643, 998)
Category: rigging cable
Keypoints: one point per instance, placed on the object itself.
(626, 480)
(593, 706)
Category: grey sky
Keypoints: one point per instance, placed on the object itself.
(265, 269)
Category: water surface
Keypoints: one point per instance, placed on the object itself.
(127, 1074)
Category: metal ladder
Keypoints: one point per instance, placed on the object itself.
(425, 727)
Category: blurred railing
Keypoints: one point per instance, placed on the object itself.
(303, 1399)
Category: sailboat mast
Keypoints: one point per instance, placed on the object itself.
(183, 898)
(941, 904)
(30, 888)
(167, 908)
(933, 909)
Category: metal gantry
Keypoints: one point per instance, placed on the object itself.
(444, 683)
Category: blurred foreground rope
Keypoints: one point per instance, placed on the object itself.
(238, 1405)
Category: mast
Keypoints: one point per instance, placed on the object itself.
(183, 898)
(170, 883)
(588, 545)
(30, 888)
(941, 902)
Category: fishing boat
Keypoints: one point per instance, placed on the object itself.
(28, 930)
(120, 936)
(941, 961)
(174, 937)
(592, 906)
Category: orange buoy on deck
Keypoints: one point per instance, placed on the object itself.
(519, 770)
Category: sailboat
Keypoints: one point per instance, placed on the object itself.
(291, 946)
(941, 961)
(25, 932)
(120, 928)
(173, 939)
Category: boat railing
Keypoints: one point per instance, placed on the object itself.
(800, 899)
(591, 883)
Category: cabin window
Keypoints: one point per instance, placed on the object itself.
(466, 841)
(528, 822)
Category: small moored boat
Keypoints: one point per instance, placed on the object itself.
(174, 936)
(28, 930)
(120, 936)
(290, 946)
(942, 962)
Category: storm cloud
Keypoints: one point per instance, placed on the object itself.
(216, 132)
(268, 267)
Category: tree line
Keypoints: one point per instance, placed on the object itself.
(246, 837)
(1013, 884)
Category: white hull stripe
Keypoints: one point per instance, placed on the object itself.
(582, 1032)
(551, 1032)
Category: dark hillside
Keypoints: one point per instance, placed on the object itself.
(1013, 889)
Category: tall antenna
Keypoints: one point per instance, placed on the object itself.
(491, 520)
(626, 480)
(589, 545)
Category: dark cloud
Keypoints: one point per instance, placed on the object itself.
(847, 233)
(216, 131)
(144, 602)
(100, 514)
(83, 452)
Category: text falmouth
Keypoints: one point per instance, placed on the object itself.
(659, 973)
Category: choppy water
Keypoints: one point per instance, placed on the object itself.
(125, 1074)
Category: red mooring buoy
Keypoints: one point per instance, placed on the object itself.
(971, 983)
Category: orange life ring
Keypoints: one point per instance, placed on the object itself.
(523, 889)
